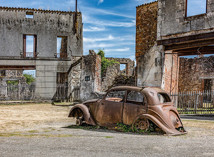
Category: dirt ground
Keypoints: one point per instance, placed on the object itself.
(16, 118)
(45, 130)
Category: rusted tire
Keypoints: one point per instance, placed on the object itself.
(140, 125)
(79, 121)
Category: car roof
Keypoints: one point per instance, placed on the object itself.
(157, 89)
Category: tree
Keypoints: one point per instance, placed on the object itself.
(29, 78)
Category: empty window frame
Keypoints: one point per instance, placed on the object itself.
(116, 96)
(29, 15)
(196, 7)
(2, 73)
(62, 47)
(123, 68)
(135, 97)
(30, 46)
(207, 84)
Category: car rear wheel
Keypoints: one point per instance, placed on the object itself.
(140, 125)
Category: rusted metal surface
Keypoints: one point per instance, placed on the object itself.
(134, 106)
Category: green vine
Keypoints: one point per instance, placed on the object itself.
(105, 63)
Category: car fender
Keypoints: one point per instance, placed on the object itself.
(167, 130)
(87, 116)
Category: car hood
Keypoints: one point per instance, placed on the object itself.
(90, 101)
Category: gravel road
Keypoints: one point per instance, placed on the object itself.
(49, 138)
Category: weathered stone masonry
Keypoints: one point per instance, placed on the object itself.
(163, 33)
(194, 72)
(148, 54)
(45, 26)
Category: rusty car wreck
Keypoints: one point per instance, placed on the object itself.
(135, 106)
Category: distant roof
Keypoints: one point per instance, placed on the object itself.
(146, 4)
(32, 9)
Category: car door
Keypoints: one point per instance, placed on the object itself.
(110, 108)
(134, 105)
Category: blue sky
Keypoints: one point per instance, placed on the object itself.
(108, 24)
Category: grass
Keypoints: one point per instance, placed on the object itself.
(198, 111)
(109, 137)
(33, 131)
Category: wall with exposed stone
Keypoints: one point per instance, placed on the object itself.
(148, 54)
(90, 76)
(172, 20)
(47, 25)
(170, 73)
(193, 72)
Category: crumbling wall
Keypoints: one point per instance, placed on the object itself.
(172, 20)
(112, 72)
(46, 25)
(90, 76)
(130, 65)
(148, 55)
(10, 75)
(193, 71)
(171, 72)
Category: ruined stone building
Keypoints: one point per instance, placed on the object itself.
(92, 83)
(196, 74)
(165, 31)
(56, 42)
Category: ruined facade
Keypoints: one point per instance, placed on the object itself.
(148, 54)
(45, 27)
(114, 71)
(196, 74)
(92, 84)
(176, 35)
(91, 76)
(13, 82)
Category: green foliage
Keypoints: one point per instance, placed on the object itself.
(124, 128)
(105, 63)
(29, 78)
(127, 128)
(15, 82)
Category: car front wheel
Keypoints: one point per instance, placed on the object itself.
(140, 125)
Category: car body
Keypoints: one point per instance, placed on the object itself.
(136, 106)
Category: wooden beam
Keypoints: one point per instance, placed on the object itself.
(190, 38)
(190, 45)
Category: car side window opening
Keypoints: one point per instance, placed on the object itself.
(116, 96)
(164, 98)
(135, 98)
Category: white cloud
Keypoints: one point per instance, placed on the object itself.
(100, 1)
(117, 50)
(110, 37)
(94, 29)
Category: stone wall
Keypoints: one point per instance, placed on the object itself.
(46, 25)
(130, 65)
(146, 28)
(148, 55)
(90, 76)
(194, 71)
(10, 75)
(172, 20)
(111, 73)
(171, 72)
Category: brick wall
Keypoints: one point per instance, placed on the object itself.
(146, 28)
(171, 72)
(194, 71)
